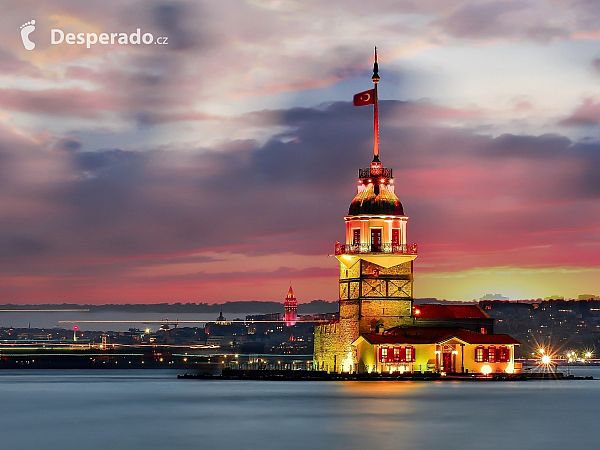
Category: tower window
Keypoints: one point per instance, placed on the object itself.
(375, 239)
(356, 236)
(395, 236)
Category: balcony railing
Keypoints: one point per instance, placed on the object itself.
(367, 173)
(397, 249)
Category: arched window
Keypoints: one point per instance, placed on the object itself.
(383, 354)
(409, 353)
(503, 354)
(491, 354)
(480, 355)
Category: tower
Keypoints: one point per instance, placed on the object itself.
(291, 308)
(376, 264)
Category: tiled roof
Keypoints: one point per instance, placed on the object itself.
(477, 338)
(449, 312)
(412, 335)
(425, 335)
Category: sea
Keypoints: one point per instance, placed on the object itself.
(152, 409)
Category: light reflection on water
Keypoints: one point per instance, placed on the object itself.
(152, 409)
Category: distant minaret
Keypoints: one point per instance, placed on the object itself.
(291, 308)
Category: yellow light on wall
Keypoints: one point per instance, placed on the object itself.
(486, 370)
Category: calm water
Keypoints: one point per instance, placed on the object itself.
(154, 410)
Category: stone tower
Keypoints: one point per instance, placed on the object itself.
(376, 264)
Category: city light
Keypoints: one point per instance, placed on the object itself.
(546, 360)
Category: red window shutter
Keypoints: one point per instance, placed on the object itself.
(380, 354)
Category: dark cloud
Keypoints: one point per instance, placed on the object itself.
(589, 154)
(545, 146)
(173, 18)
(596, 65)
(290, 193)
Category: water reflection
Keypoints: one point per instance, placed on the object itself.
(152, 409)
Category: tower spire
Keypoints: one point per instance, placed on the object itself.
(375, 79)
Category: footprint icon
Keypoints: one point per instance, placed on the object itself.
(26, 29)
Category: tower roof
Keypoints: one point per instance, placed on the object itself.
(290, 294)
(376, 200)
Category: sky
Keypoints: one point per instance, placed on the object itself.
(218, 166)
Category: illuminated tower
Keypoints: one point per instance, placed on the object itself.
(291, 308)
(376, 269)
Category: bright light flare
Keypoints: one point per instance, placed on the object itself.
(546, 360)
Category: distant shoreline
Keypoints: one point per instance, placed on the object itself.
(315, 306)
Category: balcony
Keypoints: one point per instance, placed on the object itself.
(368, 172)
(396, 249)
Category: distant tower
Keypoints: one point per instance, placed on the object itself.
(291, 308)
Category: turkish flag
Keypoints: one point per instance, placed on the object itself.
(365, 98)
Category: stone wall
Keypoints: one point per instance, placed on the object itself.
(332, 345)
(369, 295)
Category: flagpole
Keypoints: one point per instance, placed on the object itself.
(375, 79)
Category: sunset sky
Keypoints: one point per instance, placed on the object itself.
(219, 167)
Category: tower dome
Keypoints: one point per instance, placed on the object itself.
(375, 197)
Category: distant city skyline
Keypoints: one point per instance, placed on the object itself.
(218, 167)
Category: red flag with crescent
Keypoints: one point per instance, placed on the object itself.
(365, 98)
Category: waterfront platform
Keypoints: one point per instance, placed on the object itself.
(314, 375)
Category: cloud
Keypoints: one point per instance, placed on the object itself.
(168, 155)
(477, 20)
(120, 202)
(64, 102)
(586, 114)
